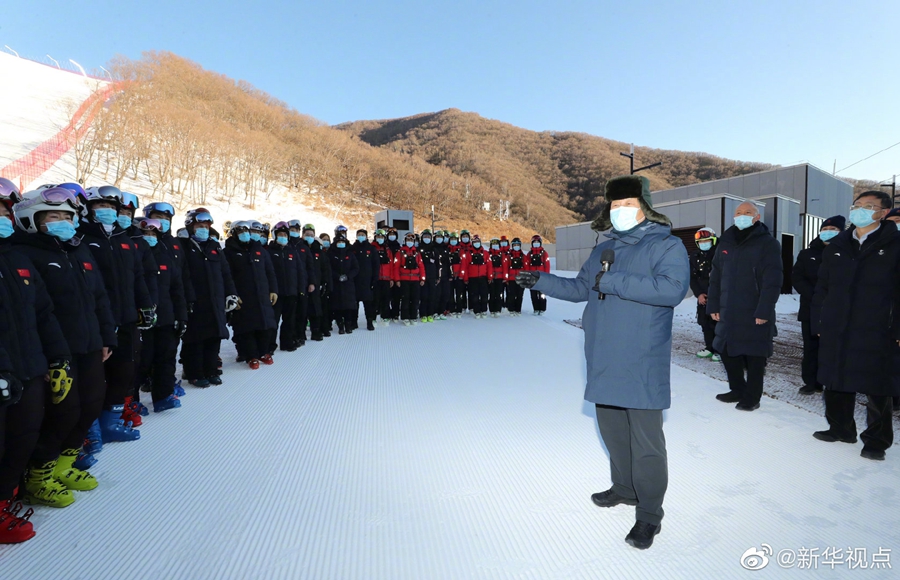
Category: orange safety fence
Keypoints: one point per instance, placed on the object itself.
(33, 164)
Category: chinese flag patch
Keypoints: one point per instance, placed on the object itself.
(257, 253)
(88, 266)
(24, 272)
(214, 252)
(163, 267)
(175, 246)
(126, 246)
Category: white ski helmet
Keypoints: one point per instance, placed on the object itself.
(38, 200)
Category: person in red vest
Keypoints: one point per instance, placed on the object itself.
(514, 292)
(409, 273)
(499, 267)
(385, 277)
(477, 276)
(539, 260)
(457, 256)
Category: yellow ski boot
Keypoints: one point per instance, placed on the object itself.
(73, 478)
(41, 488)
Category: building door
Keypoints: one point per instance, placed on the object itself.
(787, 262)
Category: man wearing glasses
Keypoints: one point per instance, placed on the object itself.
(856, 313)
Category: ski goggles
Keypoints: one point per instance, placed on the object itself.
(159, 207)
(283, 226)
(150, 224)
(340, 229)
(239, 227)
(52, 196)
(294, 224)
(104, 193)
(309, 227)
(702, 236)
(130, 201)
(202, 217)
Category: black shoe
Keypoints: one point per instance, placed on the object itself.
(218, 372)
(316, 337)
(641, 535)
(609, 498)
(326, 334)
(830, 436)
(746, 407)
(370, 325)
(289, 348)
(214, 380)
(340, 330)
(729, 397)
(809, 390)
(873, 454)
(349, 331)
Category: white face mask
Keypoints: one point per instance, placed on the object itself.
(623, 218)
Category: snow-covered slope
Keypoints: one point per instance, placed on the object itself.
(41, 102)
(459, 449)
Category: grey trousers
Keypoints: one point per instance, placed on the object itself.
(637, 457)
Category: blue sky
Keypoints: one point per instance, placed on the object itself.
(778, 82)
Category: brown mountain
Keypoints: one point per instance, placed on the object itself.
(549, 177)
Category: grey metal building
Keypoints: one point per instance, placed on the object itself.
(793, 202)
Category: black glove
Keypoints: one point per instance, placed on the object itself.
(10, 389)
(527, 279)
(342, 278)
(180, 328)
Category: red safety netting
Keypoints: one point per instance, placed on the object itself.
(33, 164)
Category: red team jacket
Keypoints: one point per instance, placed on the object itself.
(537, 259)
(404, 274)
(499, 265)
(457, 259)
(516, 263)
(386, 269)
(473, 269)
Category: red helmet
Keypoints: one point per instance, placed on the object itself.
(536, 238)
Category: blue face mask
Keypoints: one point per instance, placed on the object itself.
(495, 247)
(465, 240)
(326, 244)
(410, 244)
(308, 239)
(294, 234)
(151, 240)
(165, 225)
(426, 240)
(503, 244)
(282, 240)
(244, 237)
(705, 246)
(341, 245)
(214, 238)
(828, 235)
(862, 217)
(201, 234)
(517, 248)
(392, 238)
(255, 237)
(6, 227)
(454, 241)
(535, 244)
(476, 245)
(62, 230)
(124, 222)
(361, 239)
(106, 216)
(743, 221)
(439, 240)
(379, 241)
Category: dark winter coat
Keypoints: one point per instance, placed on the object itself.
(322, 268)
(75, 285)
(856, 312)
(287, 273)
(701, 268)
(254, 278)
(314, 276)
(805, 275)
(343, 262)
(172, 306)
(628, 336)
(29, 332)
(148, 262)
(744, 285)
(442, 254)
(176, 248)
(123, 272)
(431, 261)
(211, 279)
(369, 266)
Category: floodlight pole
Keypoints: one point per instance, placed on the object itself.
(630, 157)
(81, 68)
(56, 62)
(893, 186)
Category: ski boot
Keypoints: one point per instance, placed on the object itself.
(213, 380)
(113, 428)
(93, 441)
(146, 385)
(253, 364)
(170, 402)
(14, 529)
(133, 412)
(70, 476)
(84, 461)
(370, 324)
(199, 383)
(179, 390)
(41, 488)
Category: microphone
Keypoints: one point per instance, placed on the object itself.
(607, 257)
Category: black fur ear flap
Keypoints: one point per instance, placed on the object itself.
(625, 187)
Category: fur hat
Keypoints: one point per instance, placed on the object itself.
(837, 221)
(626, 187)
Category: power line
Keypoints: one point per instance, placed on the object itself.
(869, 157)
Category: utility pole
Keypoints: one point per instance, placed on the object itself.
(893, 186)
(630, 157)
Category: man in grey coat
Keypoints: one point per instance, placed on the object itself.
(628, 343)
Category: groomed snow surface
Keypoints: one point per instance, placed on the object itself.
(458, 449)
